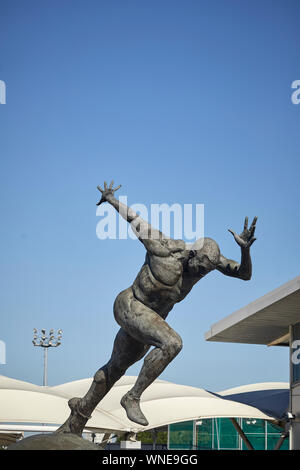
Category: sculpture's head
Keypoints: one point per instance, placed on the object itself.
(202, 257)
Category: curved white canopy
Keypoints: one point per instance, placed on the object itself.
(270, 397)
(262, 386)
(163, 403)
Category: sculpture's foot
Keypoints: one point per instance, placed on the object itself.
(131, 405)
(76, 421)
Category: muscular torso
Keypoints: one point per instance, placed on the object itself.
(163, 280)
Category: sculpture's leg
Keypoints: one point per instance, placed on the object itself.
(147, 326)
(126, 352)
(154, 364)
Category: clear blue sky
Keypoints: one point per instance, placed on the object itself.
(179, 101)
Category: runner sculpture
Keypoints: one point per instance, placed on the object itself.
(169, 272)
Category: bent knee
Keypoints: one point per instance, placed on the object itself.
(100, 376)
(109, 374)
(174, 345)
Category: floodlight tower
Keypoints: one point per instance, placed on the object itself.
(46, 341)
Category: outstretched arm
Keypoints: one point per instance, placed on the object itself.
(244, 240)
(150, 237)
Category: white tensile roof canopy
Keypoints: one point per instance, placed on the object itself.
(163, 403)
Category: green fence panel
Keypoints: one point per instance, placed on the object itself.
(220, 434)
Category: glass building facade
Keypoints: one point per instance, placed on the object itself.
(220, 434)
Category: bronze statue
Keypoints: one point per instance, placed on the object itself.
(169, 272)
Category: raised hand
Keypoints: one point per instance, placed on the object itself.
(107, 191)
(246, 238)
